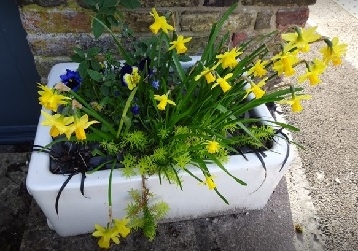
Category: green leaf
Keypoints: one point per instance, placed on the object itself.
(80, 52)
(127, 122)
(76, 58)
(100, 135)
(98, 152)
(221, 196)
(110, 3)
(97, 28)
(107, 11)
(82, 68)
(95, 65)
(91, 2)
(105, 90)
(178, 67)
(112, 20)
(217, 162)
(184, 58)
(92, 52)
(284, 125)
(130, 4)
(95, 75)
(108, 83)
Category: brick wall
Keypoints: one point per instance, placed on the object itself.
(54, 27)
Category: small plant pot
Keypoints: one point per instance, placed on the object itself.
(77, 214)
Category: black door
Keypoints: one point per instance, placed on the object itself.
(19, 108)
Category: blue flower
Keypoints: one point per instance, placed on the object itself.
(135, 109)
(71, 79)
(155, 84)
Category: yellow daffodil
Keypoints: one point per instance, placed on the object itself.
(159, 23)
(228, 59)
(79, 125)
(209, 181)
(132, 79)
(225, 86)
(258, 70)
(213, 146)
(301, 38)
(120, 226)
(314, 69)
(284, 62)
(333, 51)
(106, 235)
(179, 44)
(50, 99)
(163, 101)
(59, 123)
(295, 102)
(256, 89)
(208, 74)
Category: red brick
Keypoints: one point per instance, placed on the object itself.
(239, 37)
(291, 16)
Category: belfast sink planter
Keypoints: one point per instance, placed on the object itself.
(77, 214)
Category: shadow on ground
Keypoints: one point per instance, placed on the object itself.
(15, 201)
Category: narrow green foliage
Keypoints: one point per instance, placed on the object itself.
(159, 210)
(146, 165)
(160, 154)
(110, 147)
(182, 160)
(149, 224)
(130, 165)
(262, 134)
(143, 215)
(136, 140)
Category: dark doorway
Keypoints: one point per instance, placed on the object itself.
(19, 108)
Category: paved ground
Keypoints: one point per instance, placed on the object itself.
(23, 225)
(320, 192)
(329, 133)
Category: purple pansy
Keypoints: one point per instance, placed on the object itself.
(71, 79)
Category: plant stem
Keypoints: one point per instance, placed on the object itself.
(110, 193)
(145, 192)
(87, 108)
(125, 110)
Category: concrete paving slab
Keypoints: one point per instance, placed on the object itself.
(262, 230)
(329, 133)
(349, 5)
